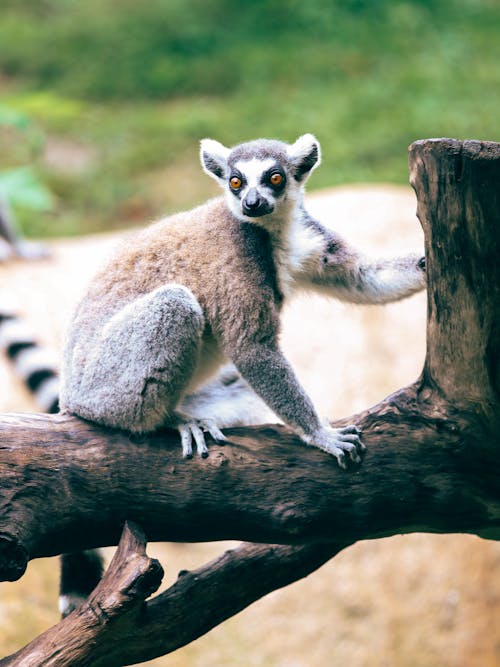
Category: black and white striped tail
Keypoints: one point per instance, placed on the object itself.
(30, 362)
(80, 572)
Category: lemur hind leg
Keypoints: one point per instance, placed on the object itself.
(140, 366)
(227, 400)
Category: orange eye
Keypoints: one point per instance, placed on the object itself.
(235, 183)
(276, 179)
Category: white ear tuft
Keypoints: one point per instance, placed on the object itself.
(213, 157)
(305, 154)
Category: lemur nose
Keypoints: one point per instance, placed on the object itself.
(253, 199)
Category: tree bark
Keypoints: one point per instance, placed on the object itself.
(432, 464)
(458, 194)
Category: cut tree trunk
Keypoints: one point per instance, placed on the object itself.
(432, 464)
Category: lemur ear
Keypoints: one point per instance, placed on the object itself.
(305, 155)
(213, 157)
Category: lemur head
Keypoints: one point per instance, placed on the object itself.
(261, 177)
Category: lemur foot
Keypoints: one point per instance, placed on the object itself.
(194, 429)
(344, 443)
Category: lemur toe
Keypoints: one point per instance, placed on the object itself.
(186, 441)
(211, 427)
(195, 430)
(199, 438)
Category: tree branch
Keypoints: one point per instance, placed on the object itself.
(76, 483)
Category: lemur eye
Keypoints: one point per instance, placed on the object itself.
(235, 183)
(276, 179)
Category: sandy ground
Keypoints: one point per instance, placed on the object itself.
(408, 601)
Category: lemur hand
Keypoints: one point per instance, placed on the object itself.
(344, 443)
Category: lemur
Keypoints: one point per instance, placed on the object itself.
(201, 288)
(181, 328)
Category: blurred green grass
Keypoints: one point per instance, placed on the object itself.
(123, 91)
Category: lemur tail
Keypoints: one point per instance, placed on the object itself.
(30, 362)
(80, 572)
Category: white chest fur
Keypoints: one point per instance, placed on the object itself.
(298, 249)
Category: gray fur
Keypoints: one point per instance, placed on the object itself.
(131, 378)
(229, 400)
(207, 286)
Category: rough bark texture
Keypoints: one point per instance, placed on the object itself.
(433, 459)
(458, 193)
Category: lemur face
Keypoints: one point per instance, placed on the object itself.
(261, 177)
(256, 185)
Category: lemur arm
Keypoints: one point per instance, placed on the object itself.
(342, 271)
(262, 364)
(272, 378)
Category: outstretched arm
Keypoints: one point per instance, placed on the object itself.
(343, 272)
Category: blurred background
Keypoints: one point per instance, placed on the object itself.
(109, 98)
(102, 106)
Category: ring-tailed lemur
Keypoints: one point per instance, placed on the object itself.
(197, 289)
(201, 288)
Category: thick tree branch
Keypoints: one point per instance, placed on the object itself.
(69, 485)
(433, 461)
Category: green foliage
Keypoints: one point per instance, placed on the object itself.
(136, 85)
(122, 49)
(22, 187)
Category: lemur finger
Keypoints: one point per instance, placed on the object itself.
(361, 446)
(336, 451)
(351, 447)
(350, 428)
(350, 441)
(340, 456)
(352, 433)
